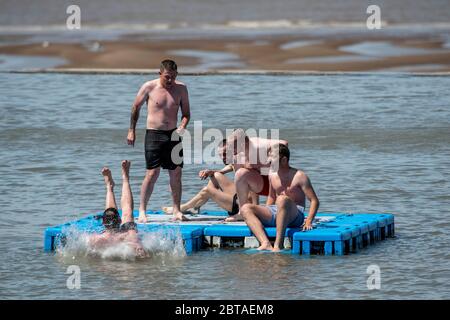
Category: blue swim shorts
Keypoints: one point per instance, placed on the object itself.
(296, 223)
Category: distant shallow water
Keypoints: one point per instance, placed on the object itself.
(384, 49)
(331, 59)
(16, 62)
(210, 59)
(370, 143)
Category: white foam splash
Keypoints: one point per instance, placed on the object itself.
(158, 243)
(163, 243)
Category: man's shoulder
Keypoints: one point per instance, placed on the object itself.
(301, 177)
(266, 142)
(260, 142)
(150, 84)
(273, 175)
(179, 83)
(299, 173)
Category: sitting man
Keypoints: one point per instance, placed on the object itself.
(286, 201)
(118, 229)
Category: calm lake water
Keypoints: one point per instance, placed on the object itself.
(370, 143)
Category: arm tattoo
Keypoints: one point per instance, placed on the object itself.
(134, 117)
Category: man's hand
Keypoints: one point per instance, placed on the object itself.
(206, 174)
(180, 131)
(131, 137)
(307, 226)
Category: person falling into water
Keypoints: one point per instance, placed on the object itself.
(163, 146)
(289, 188)
(117, 229)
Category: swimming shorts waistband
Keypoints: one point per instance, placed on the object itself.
(167, 132)
(127, 226)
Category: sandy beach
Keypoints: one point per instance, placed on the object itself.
(415, 53)
(232, 35)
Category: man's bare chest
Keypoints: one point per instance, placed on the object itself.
(163, 100)
(280, 184)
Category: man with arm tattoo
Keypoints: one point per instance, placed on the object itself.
(163, 146)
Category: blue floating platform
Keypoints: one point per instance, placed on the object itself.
(333, 233)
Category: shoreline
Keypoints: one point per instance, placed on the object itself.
(279, 53)
(93, 71)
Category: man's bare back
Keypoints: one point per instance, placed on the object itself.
(109, 238)
(252, 155)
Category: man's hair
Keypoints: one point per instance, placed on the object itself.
(239, 134)
(111, 219)
(283, 151)
(223, 143)
(168, 65)
(236, 138)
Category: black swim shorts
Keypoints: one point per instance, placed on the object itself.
(127, 226)
(161, 149)
(234, 206)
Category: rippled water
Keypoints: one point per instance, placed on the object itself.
(370, 143)
(166, 13)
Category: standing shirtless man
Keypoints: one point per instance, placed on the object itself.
(163, 146)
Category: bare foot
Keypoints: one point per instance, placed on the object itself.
(142, 217)
(109, 182)
(276, 249)
(179, 216)
(265, 246)
(167, 210)
(193, 211)
(126, 168)
(236, 217)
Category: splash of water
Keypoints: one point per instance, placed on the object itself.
(76, 244)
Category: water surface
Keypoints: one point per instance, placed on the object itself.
(370, 143)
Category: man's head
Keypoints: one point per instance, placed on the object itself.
(237, 141)
(278, 156)
(168, 73)
(222, 152)
(111, 219)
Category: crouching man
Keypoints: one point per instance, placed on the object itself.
(289, 188)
